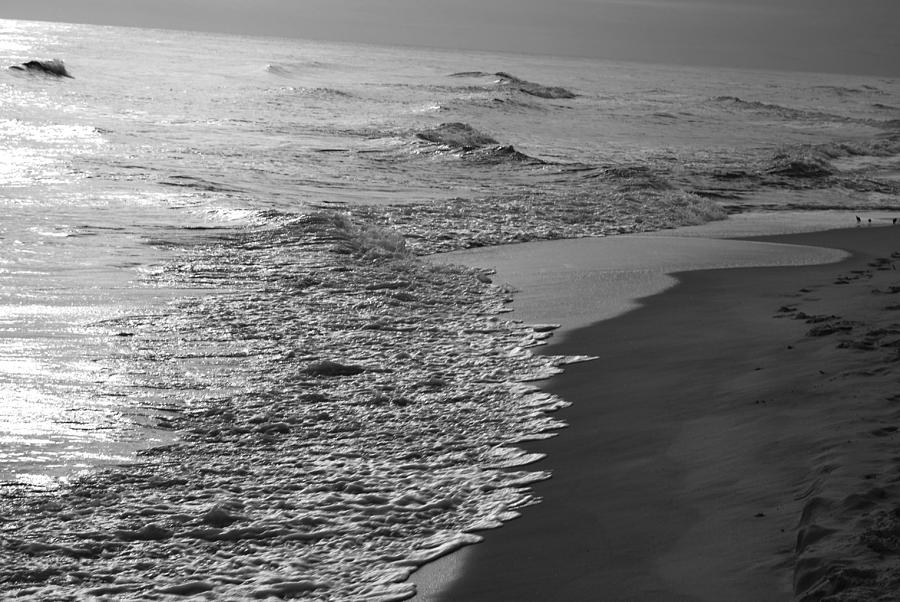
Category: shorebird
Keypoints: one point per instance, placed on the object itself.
(858, 221)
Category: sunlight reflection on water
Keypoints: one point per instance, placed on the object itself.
(63, 407)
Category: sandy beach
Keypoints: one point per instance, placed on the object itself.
(514, 301)
(734, 440)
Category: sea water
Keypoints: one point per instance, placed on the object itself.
(226, 367)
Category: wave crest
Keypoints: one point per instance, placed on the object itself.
(501, 153)
(534, 89)
(470, 74)
(291, 69)
(804, 163)
(276, 70)
(816, 161)
(476, 146)
(513, 83)
(782, 112)
(461, 136)
(848, 91)
(53, 67)
(323, 93)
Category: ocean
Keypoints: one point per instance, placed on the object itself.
(227, 366)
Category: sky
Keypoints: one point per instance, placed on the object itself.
(840, 36)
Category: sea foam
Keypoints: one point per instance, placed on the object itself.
(341, 391)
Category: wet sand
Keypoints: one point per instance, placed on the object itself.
(733, 440)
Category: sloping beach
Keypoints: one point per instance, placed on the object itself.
(228, 368)
(735, 439)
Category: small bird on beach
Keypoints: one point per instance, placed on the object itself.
(894, 221)
(858, 220)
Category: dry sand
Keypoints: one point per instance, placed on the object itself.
(735, 440)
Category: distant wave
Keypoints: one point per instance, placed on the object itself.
(321, 92)
(792, 114)
(534, 89)
(198, 184)
(787, 113)
(277, 70)
(500, 102)
(513, 103)
(511, 82)
(293, 68)
(54, 67)
(845, 91)
(471, 74)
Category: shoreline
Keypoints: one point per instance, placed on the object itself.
(495, 568)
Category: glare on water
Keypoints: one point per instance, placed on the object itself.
(217, 234)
